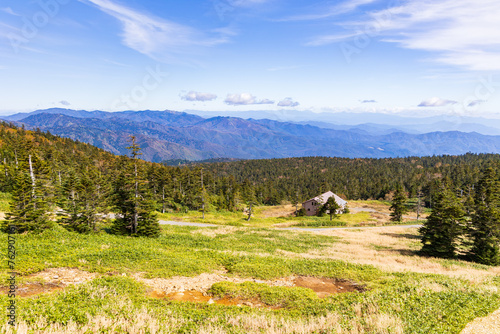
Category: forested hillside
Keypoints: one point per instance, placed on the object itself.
(67, 170)
(304, 178)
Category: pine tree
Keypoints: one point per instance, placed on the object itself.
(398, 206)
(82, 202)
(133, 201)
(485, 231)
(331, 206)
(445, 226)
(28, 209)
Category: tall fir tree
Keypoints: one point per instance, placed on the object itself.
(133, 201)
(28, 209)
(398, 206)
(485, 229)
(82, 202)
(445, 226)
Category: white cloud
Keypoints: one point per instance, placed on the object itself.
(65, 103)
(197, 96)
(436, 102)
(244, 99)
(463, 33)
(368, 101)
(288, 102)
(153, 36)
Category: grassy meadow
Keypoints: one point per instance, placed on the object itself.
(402, 292)
(284, 216)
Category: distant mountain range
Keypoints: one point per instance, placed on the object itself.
(169, 135)
(373, 123)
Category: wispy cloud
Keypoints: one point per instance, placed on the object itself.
(244, 99)
(197, 96)
(288, 102)
(329, 39)
(65, 103)
(153, 36)
(368, 101)
(463, 33)
(436, 102)
(9, 10)
(331, 11)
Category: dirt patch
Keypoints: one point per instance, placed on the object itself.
(31, 289)
(51, 280)
(325, 287)
(201, 283)
(194, 289)
(199, 297)
(64, 276)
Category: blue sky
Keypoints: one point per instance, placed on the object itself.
(415, 56)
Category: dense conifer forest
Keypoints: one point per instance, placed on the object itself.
(304, 178)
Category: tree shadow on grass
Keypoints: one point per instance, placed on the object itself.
(404, 252)
(403, 236)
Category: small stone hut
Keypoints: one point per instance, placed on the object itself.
(314, 204)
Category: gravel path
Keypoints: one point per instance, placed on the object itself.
(171, 222)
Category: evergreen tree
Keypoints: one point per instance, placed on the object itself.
(331, 206)
(133, 201)
(28, 209)
(82, 202)
(398, 206)
(445, 226)
(485, 231)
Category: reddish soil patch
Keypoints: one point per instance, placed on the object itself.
(198, 297)
(325, 287)
(31, 289)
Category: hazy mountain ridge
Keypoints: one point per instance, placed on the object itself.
(168, 135)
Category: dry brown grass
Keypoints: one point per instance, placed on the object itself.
(392, 249)
(278, 211)
(486, 325)
(141, 323)
(369, 320)
(212, 233)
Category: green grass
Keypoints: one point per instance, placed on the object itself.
(179, 251)
(257, 220)
(5, 199)
(349, 219)
(247, 252)
(123, 301)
